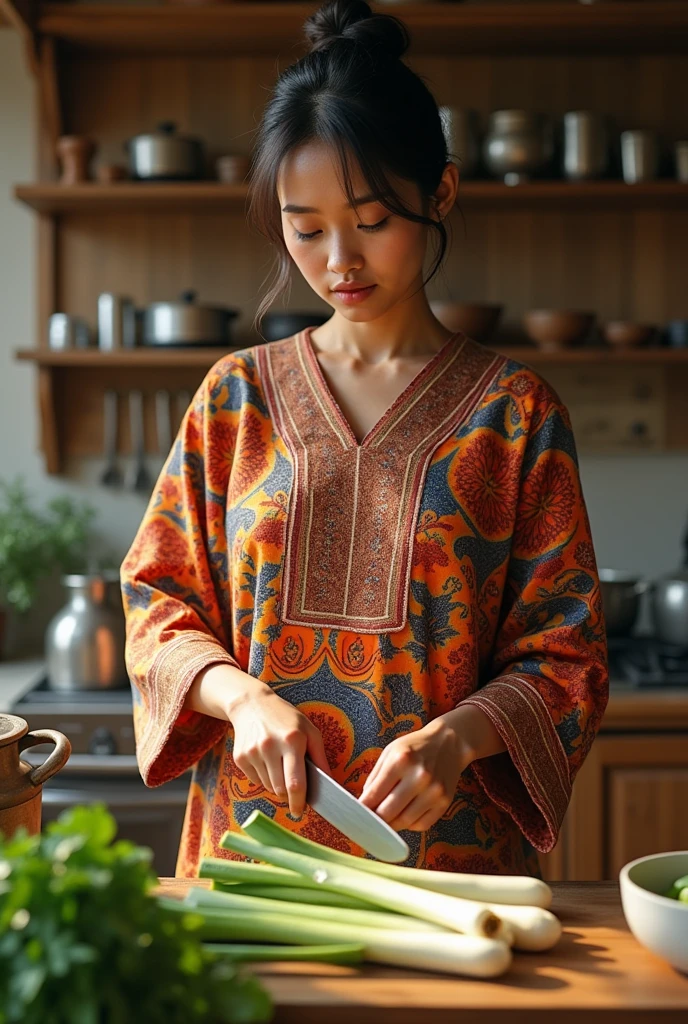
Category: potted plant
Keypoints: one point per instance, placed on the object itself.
(33, 544)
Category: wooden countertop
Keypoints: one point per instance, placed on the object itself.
(597, 969)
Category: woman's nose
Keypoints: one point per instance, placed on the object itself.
(343, 257)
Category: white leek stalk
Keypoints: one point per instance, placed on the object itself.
(509, 889)
(533, 928)
(469, 955)
(198, 897)
(460, 915)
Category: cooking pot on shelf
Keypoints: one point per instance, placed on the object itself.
(20, 784)
(277, 325)
(163, 155)
(669, 604)
(187, 322)
(621, 593)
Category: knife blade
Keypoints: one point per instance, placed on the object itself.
(356, 821)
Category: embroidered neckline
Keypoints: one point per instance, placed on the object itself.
(306, 350)
(353, 507)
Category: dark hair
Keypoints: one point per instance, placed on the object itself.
(354, 93)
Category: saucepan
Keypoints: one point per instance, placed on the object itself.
(621, 593)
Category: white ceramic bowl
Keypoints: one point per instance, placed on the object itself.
(659, 923)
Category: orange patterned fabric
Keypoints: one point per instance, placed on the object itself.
(447, 558)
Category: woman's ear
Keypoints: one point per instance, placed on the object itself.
(447, 190)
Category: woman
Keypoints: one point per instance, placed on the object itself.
(369, 543)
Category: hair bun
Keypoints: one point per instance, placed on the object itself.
(355, 21)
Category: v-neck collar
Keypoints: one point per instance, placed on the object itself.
(353, 507)
(307, 352)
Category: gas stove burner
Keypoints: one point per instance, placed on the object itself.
(645, 661)
(42, 693)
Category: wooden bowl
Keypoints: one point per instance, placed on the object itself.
(476, 319)
(553, 329)
(626, 334)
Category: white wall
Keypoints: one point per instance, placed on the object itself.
(638, 505)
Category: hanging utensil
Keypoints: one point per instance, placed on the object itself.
(141, 480)
(163, 422)
(182, 403)
(111, 476)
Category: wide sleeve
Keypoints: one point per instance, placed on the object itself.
(174, 583)
(547, 679)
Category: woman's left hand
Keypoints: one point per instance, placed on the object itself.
(416, 776)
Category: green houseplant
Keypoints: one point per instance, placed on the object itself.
(34, 543)
(83, 939)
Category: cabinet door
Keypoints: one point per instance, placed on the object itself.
(648, 813)
(629, 800)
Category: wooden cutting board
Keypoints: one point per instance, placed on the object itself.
(597, 973)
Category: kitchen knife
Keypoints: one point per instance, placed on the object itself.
(356, 821)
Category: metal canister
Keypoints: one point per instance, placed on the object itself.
(116, 322)
(66, 331)
(639, 156)
(586, 151)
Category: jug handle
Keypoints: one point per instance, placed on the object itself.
(55, 760)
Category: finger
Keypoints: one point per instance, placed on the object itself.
(294, 769)
(250, 772)
(421, 804)
(390, 773)
(316, 750)
(375, 771)
(258, 774)
(427, 820)
(275, 772)
(404, 793)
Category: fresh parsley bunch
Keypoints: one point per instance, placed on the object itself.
(83, 940)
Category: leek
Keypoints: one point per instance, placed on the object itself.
(469, 955)
(198, 897)
(331, 953)
(295, 894)
(508, 889)
(534, 929)
(460, 915)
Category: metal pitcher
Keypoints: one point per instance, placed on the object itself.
(20, 784)
(85, 641)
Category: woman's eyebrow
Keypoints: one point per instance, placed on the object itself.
(358, 201)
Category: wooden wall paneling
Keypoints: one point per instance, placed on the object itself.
(49, 431)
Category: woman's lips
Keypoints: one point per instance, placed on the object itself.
(356, 296)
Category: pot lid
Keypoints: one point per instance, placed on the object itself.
(166, 130)
(187, 299)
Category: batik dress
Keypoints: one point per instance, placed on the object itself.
(445, 559)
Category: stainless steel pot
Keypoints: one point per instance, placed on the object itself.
(187, 322)
(163, 155)
(669, 605)
(84, 643)
(621, 593)
(519, 144)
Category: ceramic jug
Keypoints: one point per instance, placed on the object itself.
(20, 783)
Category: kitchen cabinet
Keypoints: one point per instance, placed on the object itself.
(631, 795)
(112, 71)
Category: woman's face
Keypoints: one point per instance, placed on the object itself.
(368, 245)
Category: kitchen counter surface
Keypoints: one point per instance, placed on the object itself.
(597, 969)
(628, 710)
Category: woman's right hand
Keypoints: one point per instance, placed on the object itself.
(271, 740)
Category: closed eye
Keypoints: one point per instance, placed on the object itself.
(364, 227)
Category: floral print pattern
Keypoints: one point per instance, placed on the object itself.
(502, 610)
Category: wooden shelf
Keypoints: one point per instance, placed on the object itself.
(265, 28)
(205, 357)
(199, 197)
